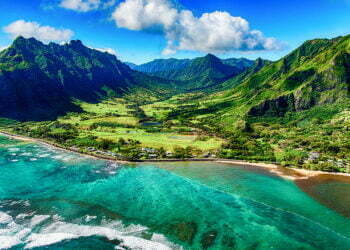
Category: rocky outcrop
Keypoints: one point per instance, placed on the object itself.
(309, 88)
(275, 107)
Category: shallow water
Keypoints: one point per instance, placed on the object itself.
(336, 188)
(60, 200)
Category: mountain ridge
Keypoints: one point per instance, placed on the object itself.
(284, 111)
(72, 70)
(198, 74)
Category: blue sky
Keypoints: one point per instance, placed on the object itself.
(169, 30)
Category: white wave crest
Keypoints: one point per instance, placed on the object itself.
(49, 230)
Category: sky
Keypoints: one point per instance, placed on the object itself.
(139, 31)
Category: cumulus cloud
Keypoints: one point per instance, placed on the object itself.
(34, 29)
(86, 5)
(145, 14)
(216, 32)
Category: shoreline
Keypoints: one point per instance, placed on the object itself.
(293, 174)
(58, 147)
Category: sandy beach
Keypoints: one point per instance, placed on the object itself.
(286, 172)
(294, 174)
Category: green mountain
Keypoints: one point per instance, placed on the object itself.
(199, 74)
(160, 65)
(248, 72)
(131, 65)
(315, 74)
(294, 111)
(39, 81)
(241, 63)
(164, 65)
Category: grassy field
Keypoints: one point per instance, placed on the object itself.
(114, 105)
(157, 140)
(315, 139)
(113, 119)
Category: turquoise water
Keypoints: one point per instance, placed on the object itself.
(51, 199)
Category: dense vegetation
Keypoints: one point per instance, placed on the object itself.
(199, 74)
(38, 81)
(294, 111)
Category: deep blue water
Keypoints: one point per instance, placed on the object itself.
(51, 199)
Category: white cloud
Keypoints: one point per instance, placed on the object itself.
(86, 5)
(145, 14)
(108, 4)
(34, 29)
(3, 48)
(108, 50)
(216, 32)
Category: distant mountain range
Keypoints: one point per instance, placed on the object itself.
(316, 74)
(39, 81)
(160, 65)
(199, 74)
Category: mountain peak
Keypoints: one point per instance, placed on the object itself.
(76, 44)
(211, 56)
(259, 61)
(207, 59)
(20, 41)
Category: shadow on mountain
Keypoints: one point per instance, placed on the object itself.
(39, 81)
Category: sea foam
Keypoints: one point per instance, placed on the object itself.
(48, 231)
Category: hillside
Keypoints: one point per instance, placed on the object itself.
(39, 81)
(160, 65)
(199, 74)
(315, 74)
(241, 63)
(248, 72)
(286, 111)
(202, 73)
(294, 111)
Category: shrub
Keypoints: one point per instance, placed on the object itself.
(183, 153)
(291, 157)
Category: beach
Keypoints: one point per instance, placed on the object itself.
(294, 174)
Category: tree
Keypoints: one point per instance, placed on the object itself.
(121, 141)
(106, 144)
(183, 153)
(162, 153)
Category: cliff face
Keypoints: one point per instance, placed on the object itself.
(300, 81)
(275, 107)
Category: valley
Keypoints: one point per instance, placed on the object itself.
(293, 111)
(174, 125)
(127, 132)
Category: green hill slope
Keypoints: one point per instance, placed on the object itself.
(202, 73)
(160, 65)
(241, 63)
(286, 111)
(315, 74)
(38, 81)
(199, 74)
